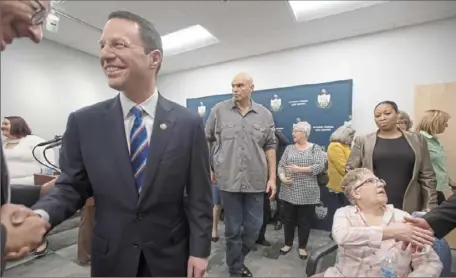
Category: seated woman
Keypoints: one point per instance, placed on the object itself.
(369, 234)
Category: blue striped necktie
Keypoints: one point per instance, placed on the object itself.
(139, 146)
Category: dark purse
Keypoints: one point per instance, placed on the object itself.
(322, 178)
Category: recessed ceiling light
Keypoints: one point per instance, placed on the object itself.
(187, 39)
(310, 10)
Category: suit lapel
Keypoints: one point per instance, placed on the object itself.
(115, 131)
(371, 140)
(161, 134)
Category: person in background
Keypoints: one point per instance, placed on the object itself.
(244, 167)
(17, 147)
(401, 158)
(339, 150)
(216, 199)
(19, 232)
(403, 121)
(433, 123)
(369, 234)
(300, 192)
(282, 143)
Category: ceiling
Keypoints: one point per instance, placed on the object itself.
(244, 28)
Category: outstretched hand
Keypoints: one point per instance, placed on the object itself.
(25, 230)
(419, 223)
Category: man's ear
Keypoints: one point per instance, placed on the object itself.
(155, 58)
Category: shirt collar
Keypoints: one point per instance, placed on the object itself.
(425, 134)
(149, 106)
(253, 105)
(387, 217)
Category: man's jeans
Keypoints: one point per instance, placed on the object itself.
(243, 220)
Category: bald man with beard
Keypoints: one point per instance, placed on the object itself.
(21, 229)
(244, 166)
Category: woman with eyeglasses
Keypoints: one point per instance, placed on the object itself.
(399, 157)
(403, 121)
(370, 235)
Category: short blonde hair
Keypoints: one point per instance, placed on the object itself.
(343, 135)
(352, 178)
(403, 116)
(433, 121)
(304, 127)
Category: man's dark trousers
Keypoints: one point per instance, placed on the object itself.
(243, 220)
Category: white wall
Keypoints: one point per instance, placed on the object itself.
(383, 66)
(45, 83)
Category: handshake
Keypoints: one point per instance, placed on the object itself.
(24, 230)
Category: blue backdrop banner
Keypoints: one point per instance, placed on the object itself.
(325, 106)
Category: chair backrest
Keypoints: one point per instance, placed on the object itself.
(443, 250)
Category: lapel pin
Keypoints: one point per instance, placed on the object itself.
(163, 126)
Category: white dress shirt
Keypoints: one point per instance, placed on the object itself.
(149, 106)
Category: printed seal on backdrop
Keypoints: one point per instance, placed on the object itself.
(324, 99)
(349, 122)
(276, 103)
(298, 120)
(321, 211)
(201, 109)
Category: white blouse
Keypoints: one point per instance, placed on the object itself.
(19, 159)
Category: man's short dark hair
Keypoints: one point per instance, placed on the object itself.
(18, 127)
(149, 35)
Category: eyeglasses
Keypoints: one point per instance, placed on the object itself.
(40, 14)
(118, 44)
(371, 180)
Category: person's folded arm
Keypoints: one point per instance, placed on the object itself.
(344, 234)
(426, 263)
(72, 187)
(320, 161)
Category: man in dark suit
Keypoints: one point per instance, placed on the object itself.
(441, 220)
(136, 154)
(20, 232)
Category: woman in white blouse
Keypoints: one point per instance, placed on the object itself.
(18, 145)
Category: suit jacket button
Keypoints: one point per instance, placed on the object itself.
(139, 216)
(135, 244)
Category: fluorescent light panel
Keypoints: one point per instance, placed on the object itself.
(187, 39)
(310, 10)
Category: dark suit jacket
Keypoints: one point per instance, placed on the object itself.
(443, 218)
(95, 161)
(421, 193)
(25, 195)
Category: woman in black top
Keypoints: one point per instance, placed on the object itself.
(400, 158)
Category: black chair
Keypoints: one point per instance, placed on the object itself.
(317, 256)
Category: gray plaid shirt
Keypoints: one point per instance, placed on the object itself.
(304, 189)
